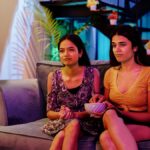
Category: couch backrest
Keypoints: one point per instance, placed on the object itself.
(44, 67)
(20, 101)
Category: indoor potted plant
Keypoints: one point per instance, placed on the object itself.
(113, 17)
(92, 4)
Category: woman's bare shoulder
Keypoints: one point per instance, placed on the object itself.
(50, 74)
(96, 71)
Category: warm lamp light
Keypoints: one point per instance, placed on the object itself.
(92, 4)
(147, 46)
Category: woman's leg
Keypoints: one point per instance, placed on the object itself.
(106, 141)
(57, 141)
(118, 131)
(72, 132)
(139, 132)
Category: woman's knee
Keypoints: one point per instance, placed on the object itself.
(105, 141)
(60, 135)
(73, 126)
(103, 136)
(110, 116)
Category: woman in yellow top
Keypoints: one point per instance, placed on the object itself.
(127, 90)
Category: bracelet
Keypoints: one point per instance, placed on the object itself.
(75, 115)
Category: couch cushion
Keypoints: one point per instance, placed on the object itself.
(33, 129)
(43, 68)
(29, 136)
(22, 100)
(3, 112)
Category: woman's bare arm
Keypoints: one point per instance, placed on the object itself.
(140, 116)
(51, 114)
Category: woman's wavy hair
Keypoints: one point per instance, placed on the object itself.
(132, 34)
(84, 59)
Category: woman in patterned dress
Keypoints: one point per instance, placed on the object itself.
(68, 89)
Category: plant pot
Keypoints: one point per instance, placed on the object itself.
(93, 7)
(148, 51)
(113, 21)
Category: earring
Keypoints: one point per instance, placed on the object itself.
(135, 49)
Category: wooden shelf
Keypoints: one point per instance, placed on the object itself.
(98, 19)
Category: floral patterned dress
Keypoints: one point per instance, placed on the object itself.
(60, 95)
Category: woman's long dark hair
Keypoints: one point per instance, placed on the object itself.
(84, 59)
(133, 36)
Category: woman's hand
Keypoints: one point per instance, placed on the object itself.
(109, 105)
(66, 113)
(97, 98)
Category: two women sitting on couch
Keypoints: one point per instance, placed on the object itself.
(127, 94)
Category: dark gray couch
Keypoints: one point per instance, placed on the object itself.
(23, 112)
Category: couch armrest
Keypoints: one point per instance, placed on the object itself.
(21, 101)
(3, 112)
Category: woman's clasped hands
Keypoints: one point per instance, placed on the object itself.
(66, 113)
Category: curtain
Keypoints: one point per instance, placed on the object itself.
(22, 51)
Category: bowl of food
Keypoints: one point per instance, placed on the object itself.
(95, 107)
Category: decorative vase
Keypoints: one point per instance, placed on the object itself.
(113, 21)
(92, 4)
(93, 7)
(148, 51)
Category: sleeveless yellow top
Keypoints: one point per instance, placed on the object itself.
(136, 97)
